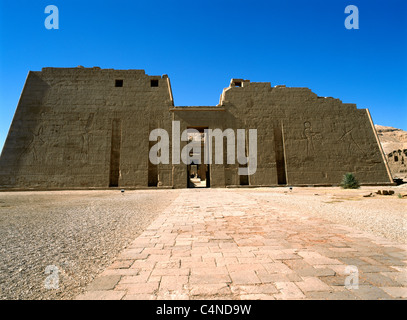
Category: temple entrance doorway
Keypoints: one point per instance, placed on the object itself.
(198, 173)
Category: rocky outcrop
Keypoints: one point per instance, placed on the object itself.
(394, 144)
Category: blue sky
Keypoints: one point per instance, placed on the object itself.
(201, 45)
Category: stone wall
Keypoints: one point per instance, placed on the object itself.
(398, 163)
(61, 134)
(323, 138)
(89, 128)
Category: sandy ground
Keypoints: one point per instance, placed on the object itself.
(380, 215)
(81, 232)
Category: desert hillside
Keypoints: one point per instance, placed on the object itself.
(391, 138)
(394, 143)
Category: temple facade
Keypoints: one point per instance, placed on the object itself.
(84, 128)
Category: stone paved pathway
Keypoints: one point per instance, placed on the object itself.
(226, 244)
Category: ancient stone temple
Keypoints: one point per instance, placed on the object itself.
(90, 128)
(397, 160)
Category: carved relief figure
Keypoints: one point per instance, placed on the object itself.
(34, 144)
(348, 138)
(86, 136)
(310, 135)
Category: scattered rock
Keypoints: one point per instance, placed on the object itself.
(385, 192)
(398, 181)
(368, 195)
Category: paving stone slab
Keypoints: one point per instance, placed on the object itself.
(104, 283)
(234, 245)
(102, 295)
(312, 284)
(396, 292)
(368, 292)
(379, 280)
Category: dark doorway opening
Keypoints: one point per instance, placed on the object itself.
(152, 173)
(198, 176)
(244, 180)
(198, 172)
(114, 174)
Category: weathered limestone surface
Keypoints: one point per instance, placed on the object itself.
(61, 133)
(75, 128)
(397, 162)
